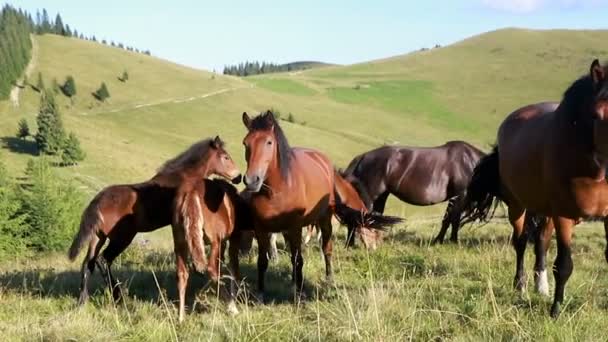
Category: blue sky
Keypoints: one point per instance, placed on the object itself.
(210, 34)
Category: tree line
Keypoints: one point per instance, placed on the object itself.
(16, 25)
(256, 68)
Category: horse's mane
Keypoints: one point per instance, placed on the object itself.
(265, 121)
(358, 185)
(581, 90)
(188, 158)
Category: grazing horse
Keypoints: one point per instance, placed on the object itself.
(215, 207)
(417, 175)
(119, 212)
(551, 159)
(290, 189)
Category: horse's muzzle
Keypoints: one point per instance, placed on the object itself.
(253, 184)
(237, 179)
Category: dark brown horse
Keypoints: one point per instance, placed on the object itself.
(215, 207)
(417, 175)
(119, 212)
(292, 188)
(551, 159)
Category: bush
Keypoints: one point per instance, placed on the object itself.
(72, 152)
(12, 220)
(69, 87)
(291, 118)
(52, 208)
(124, 77)
(102, 93)
(24, 130)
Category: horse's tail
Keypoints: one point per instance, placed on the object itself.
(188, 223)
(354, 219)
(90, 223)
(484, 188)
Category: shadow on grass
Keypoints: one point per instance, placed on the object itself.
(138, 282)
(21, 146)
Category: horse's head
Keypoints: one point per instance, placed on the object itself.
(587, 102)
(265, 148)
(220, 163)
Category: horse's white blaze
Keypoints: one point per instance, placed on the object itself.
(542, 284)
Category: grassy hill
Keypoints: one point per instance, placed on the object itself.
(461, 91)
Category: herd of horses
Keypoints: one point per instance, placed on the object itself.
(548, 167)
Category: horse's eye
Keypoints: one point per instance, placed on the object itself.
(269, 142)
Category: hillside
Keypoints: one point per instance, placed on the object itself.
(423, 98)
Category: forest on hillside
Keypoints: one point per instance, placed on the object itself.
(256, 68)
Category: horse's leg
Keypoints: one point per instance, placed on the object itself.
(327, 246)
(455, 214)
(263, 246)
(350, 236)
(223, 250)
(519, 241)
(380, 202)
(309, 232)
(294, 236)
(118, 243)
(445, 223)
(180, 246)
(233, 253)
(541, 245)
(563, 266)
(273, 251)
(88, 266)
(606, 233)
(213, 266)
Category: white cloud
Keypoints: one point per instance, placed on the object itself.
(529, 6)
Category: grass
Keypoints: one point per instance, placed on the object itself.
(406, 289)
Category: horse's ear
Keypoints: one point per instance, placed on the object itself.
(597, 73)
(216, 142)
(269, 118)
(246, 120)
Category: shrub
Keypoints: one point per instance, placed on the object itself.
(24, 130)
(12, 221)
(72, 152)
(69, 87)
(124, 77)
(52, 208)
(102, 93)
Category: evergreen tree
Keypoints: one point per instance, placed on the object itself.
(67, 32)
(72, 152)
(69, 87)
(50, 137)
(58, 27)
(24, 130)
(124, 77)
(12, 220)
(45, 24)
(55, 86)
(102, 93)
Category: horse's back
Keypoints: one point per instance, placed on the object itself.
(524, 139)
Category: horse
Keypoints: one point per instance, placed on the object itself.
(564, 149)
(354, 195)
(215, 208)
(119, 212)
(292, 188)
(419, 176)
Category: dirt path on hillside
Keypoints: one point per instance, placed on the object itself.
(14, 96)
(174, 100)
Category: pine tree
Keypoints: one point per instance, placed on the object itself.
(12, 220)
(102, 93)
(67, 32)
(72, 152)
(45, 24)
(24, 130)
(50, 137)
(58, 28)
(124, 77)
(69, 87)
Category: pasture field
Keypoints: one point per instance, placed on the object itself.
(406, 289)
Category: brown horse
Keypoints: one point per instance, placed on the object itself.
(292, 188)
(119, 212)
(551, 159)
(225, 215)
(417, 175)
(355, 196)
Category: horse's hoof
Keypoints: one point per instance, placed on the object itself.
(542, 284)
(555, 310)
(232, 309)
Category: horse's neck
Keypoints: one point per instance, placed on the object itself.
(570, 138)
